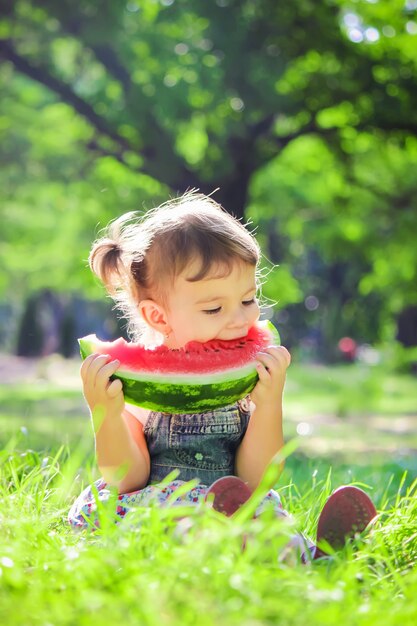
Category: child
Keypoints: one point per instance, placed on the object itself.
(187, 271)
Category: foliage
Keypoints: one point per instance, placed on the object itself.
(346, 231)
(302, 113)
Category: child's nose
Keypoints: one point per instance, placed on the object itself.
(238, 319)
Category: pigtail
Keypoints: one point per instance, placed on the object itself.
(106, 262)
(118, 260)
(110, 256)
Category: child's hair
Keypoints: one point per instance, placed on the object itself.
(140, 256)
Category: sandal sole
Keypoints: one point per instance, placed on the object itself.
(230, 493)
(348, 511)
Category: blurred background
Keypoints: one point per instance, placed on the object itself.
(302, 114)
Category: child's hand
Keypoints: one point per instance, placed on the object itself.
(102, 394)
(272, 367)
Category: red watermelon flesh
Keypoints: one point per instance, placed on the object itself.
(210, 357)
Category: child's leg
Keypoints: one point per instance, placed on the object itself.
(84, 511)
(229, 493)
(348, 511)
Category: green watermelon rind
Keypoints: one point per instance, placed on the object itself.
(185, 393)
(190, 398)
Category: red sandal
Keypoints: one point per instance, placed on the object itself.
(347, 512)
(229, 492)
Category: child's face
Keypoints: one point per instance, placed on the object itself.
(217, 307)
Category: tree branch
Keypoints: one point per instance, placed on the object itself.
(107, 56)
(42, 76)
(102, 51)
(176, 175)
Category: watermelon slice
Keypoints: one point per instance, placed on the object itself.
(196, 378)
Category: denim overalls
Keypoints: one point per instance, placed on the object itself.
(199, 445)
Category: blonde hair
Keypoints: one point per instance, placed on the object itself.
(139, 256)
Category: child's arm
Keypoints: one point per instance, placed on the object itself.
(121, 450)
(264, 436)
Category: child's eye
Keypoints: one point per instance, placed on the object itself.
(213, 311)
(248, 302)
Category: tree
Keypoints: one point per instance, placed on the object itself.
(165, 95)
(202, 95)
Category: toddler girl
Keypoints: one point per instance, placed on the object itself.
(186, 271)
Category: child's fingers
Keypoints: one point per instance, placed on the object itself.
(272, 365)
(114, 388)
(85, 365)
(283, 352)
(268, 360)
(279, 354)
(263, 372)
(104, 373)
(92, 365)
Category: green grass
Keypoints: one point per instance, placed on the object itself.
(146, 572)
(346, 390)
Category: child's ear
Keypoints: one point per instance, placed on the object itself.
(155, 316)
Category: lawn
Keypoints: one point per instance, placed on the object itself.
(351, 425)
